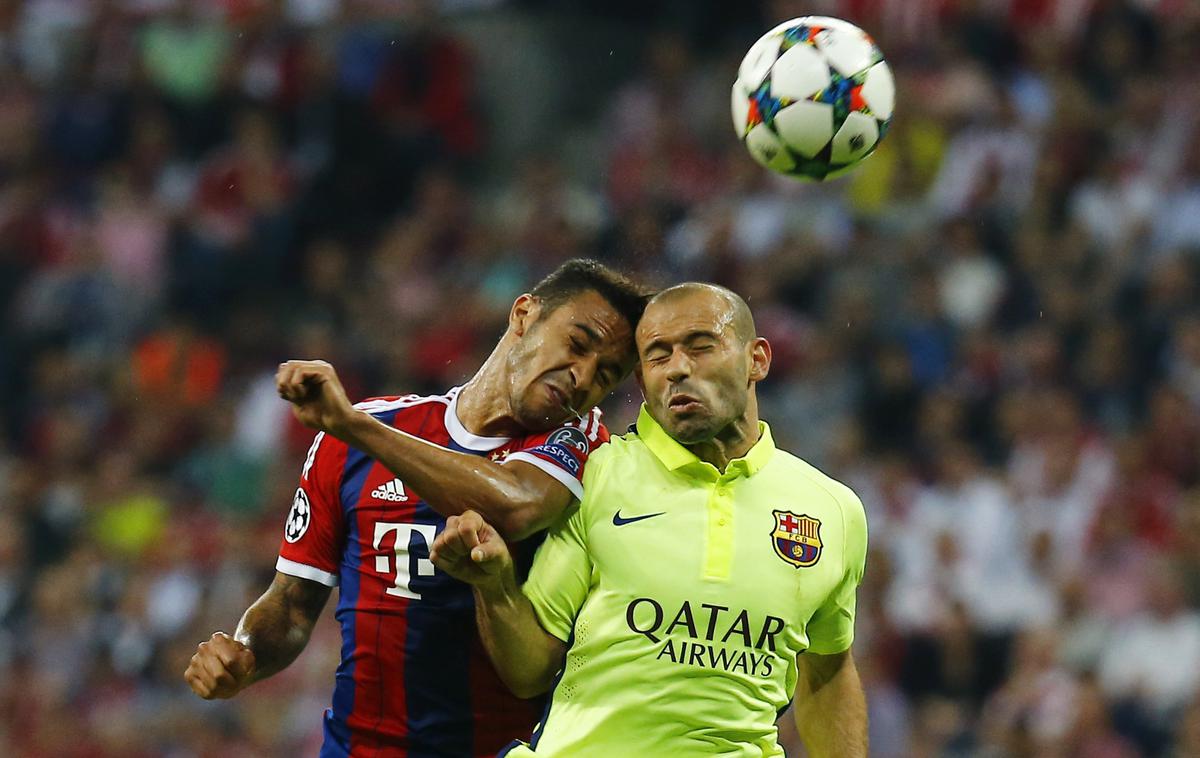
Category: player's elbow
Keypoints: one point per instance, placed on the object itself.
(530, 668)
(516, 519)
(528, 686)
(521, 500)
(517, 526)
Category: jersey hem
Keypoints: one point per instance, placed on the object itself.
(839, 647)
(564, 478)
(507, 749)
(304, 571)
(539, 603)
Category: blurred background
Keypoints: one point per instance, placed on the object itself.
(991, 330)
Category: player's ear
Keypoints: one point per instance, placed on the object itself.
(760, 359)
(525, 310)
(637, 375)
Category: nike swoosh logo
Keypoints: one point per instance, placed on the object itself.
(618, 521)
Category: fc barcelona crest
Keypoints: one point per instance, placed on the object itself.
(797, 539)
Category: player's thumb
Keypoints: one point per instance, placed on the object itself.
(315, 378)
(489, 555)
(242, 664)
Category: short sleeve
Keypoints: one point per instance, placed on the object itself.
(561, 575)
(314, 533)
(831, 629)
(563, 452)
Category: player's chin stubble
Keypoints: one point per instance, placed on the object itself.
(536, 416)
(691, 431)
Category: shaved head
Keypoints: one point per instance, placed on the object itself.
(736, 313)
(699, 359)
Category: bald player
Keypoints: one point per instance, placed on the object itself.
(706, 578)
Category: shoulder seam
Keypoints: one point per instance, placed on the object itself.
(404, 401)
(815, 476)
(601, 469)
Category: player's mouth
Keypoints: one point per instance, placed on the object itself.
(684, 403)
(560, 398)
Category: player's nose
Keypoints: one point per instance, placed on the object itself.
(584, 373)
(679, 366)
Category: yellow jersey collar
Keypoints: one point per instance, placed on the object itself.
(675, 456)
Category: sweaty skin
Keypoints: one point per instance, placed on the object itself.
(270, 635)
(545, 367)
(699, 363)
(548, 364)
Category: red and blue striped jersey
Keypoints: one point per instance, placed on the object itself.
(414, 679)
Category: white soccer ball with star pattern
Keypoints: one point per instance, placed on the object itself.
(813, 97)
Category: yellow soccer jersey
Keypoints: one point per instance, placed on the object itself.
(685, 595)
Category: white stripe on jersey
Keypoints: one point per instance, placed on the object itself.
(463, 436)
(404, 401)
(304, 571)
(558, 472)
(312, 455)
(594, 421)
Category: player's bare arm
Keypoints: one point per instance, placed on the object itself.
(517, 498)
(525, 655)
(830, 707)
(270, 635)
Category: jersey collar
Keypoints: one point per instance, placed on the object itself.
(463, 436)
(676, 457)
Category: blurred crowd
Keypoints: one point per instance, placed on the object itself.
(991, 330)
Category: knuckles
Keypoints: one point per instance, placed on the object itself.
(472, 519)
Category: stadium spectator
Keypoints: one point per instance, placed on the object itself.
(996, 315)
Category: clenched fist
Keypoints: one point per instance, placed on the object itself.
(470, 550)
(318, 399)
(221, 668)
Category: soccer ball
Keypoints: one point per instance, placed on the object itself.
(813, 97)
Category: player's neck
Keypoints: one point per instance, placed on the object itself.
(483, 406)
(731, 443)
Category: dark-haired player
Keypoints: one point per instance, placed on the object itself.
(706, 579)
(374, 491)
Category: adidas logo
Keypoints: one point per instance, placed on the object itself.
(392, 491)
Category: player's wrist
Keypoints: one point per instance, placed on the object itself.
(501, 590)
(348, 425)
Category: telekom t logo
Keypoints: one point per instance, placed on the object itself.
(383, 563)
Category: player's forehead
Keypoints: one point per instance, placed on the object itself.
(589, 314)
(678, 318)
